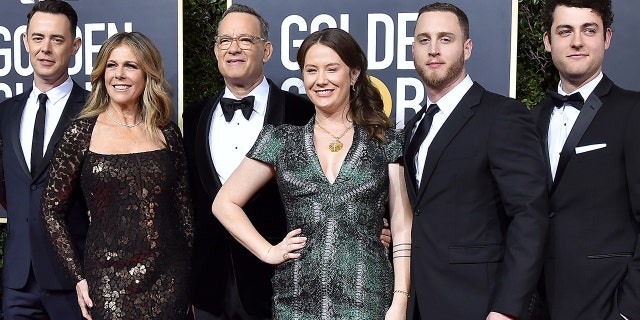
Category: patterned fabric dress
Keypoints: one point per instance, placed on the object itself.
(141, 230)
(343, 272)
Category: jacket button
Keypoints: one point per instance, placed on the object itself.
(34, 187)
(551, 214)
(417, 212)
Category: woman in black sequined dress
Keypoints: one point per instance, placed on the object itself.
(125, 156)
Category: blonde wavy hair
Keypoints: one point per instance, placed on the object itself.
(155, 100)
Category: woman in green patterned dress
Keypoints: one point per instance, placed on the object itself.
(338, 176)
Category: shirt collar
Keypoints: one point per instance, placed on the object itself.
(586, 89)
(260, 93)
(449, 101)
(54, 94)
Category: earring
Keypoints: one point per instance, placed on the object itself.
(353, 88)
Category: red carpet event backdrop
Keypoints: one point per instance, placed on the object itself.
(384, 29)
(97, 20)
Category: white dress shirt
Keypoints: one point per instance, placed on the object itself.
(562, 121)
(56, 100)
(229, 142)
(446, 105)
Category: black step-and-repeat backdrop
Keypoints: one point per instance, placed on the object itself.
(98, 19)
(384, 29)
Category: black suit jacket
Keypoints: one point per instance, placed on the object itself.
(27, 240)
(593, 265)
(480, 212)
(217, 256)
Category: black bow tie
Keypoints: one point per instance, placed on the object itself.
(575, 99)
(229, 107)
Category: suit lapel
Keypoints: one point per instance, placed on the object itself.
(588, 112)
(72, 108)
(274, 112)
(448, 131)
(15, 120)
(204, 162)
(409, 163)
(542, 125)
(274, 115)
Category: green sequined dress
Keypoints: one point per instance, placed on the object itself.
(344, 271)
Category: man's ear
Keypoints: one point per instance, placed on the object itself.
(268, 51)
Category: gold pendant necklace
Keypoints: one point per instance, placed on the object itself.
(336, 145)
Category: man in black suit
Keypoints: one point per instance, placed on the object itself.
(31, 124)
(476, 180)
(591, 140)
(228, 281)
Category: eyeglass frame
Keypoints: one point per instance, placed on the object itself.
(254, 40)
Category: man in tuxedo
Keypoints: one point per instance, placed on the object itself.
(31, 124)
(590, 130)
(475, 178)
(229, 282)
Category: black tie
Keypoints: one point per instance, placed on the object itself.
(38, 135)
(575, 99)
(229, 107)
(421, 131)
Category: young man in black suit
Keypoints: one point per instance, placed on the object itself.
(590, 138)
(35, 285)
(476, 181)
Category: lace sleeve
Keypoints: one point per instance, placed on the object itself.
(182, 196)
(64, 180)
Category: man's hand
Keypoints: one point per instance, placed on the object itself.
(385, 236)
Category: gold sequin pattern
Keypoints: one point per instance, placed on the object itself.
(141, 231)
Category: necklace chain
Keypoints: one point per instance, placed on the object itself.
(123, 124)
(336, 145)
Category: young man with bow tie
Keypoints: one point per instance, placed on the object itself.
(590, 130)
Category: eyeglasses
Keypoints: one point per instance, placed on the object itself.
(245, 41)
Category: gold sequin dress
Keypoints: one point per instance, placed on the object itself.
(140, 234)
(343, 272)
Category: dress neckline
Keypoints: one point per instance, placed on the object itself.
(309, 129)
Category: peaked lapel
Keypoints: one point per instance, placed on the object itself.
(588, 112)
(15, 118)
(542, 124)
(204, 162)
(456, 120)
(75, 104)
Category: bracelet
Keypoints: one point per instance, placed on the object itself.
(402, 244)
(403, 292)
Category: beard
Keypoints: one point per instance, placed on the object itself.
(434, 80)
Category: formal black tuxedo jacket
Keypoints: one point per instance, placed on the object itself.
(480, 213)
(27, 240)
(218, 256)
(593, 265)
